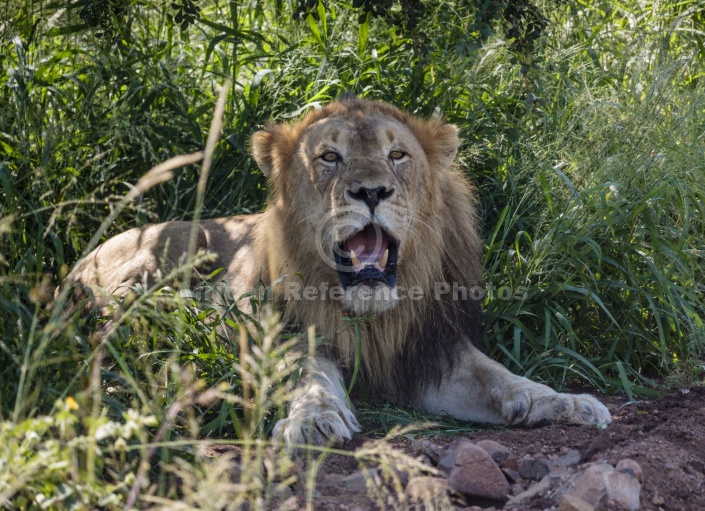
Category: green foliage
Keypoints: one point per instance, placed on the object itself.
(47, 461)
(583, 131)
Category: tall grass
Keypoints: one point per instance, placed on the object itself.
(603, 226)
(586, 145)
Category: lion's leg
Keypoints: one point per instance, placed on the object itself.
(481, 390)
(319, 413)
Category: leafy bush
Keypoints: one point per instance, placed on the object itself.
(583, 131)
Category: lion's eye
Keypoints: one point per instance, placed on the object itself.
(396, 155)
(330, 156)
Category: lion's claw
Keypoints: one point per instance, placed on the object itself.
(322, 423)
(538, 404)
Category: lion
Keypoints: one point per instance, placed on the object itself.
(368, 218)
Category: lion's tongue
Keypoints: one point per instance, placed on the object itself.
(369, 244)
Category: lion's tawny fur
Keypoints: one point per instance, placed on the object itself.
(443, 248)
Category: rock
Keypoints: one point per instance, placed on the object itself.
(573, 503)
(433, 451)
(517, 489)
(283, 492)
(511, 475)
(476, 474)
(630, 467)
(537, 490)
(534, 468)
(601, 485)
(624, 489)
(657, 500)
(511, 463)
(569, 459)
(402, 475)
(424, 459)
(591, 487)
(447, 462)
(427, 489)
(498, 452)
(329, 479)
(357, 481)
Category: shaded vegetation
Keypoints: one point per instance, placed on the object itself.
(584, 130)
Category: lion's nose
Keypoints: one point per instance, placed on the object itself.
(371, 196)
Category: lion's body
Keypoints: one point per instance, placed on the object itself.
(140, 255)
(365, 201)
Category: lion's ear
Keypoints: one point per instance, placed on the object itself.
(261, 146)
(445, 145)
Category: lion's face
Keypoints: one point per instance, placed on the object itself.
(363, 176)
(356, 182)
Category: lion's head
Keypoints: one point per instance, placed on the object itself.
(359, 182)
(368, 210)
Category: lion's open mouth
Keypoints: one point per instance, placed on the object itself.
(368, 255)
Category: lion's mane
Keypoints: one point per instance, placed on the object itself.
(415, 343)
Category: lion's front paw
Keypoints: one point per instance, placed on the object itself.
(539, 404)
(326, 421)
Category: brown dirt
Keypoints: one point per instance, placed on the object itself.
(665, 435)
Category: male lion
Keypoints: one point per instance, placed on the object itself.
(367, 216)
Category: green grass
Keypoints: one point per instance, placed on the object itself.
(585, 138)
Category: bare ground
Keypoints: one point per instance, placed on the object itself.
(665, 435)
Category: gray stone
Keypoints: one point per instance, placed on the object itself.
(497, 452)
(433, 451)
(534, 468)
(447, 462)
(402, 475)
(511, 475)
(283, 492)
(624, 489)
(511, 462)
(329, 479)
(601, 486)
(569, 459)
(537, 490)
(630, 467)
(476, 474)
(574, 503)
(517, 489)
(467, 452)
(591, 485)
(357, 481)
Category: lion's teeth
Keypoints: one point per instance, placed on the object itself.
(383, 261)
(355, 260)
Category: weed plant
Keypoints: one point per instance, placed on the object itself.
(583, 131)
